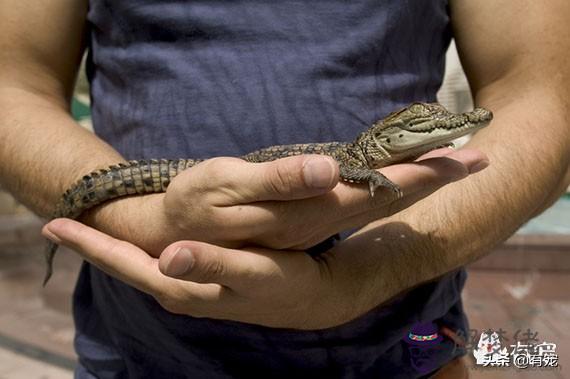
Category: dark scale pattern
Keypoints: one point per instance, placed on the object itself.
(131, 178)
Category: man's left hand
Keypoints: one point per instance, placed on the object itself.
(274, 288)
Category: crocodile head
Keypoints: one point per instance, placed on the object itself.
(415, 130)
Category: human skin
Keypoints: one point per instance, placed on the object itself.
(515, 55)
(40, 60)
(515, 64)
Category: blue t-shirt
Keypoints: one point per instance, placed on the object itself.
(174, 79)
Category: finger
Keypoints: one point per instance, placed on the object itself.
(431, 172)
(422, 177)
(289, 178)
(435, 170)
(122, 260)
(474, 160)
(203, 263)
(237, 269)
(117, 258)
(347, 201)
(436, 153)
(292, 178)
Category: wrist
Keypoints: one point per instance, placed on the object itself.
(390, 258)
(140, 220)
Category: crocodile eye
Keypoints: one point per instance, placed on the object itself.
(416, 108)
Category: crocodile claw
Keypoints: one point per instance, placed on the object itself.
(373, 185)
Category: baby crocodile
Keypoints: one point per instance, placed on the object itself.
(401, 136)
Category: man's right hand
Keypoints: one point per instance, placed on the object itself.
(295, 202)
(232, 202)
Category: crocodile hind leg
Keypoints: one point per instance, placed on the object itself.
(374, 179)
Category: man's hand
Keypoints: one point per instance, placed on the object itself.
(275, 288)
(267, 287)
(292, 203)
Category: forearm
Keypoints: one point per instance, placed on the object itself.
(529, 148)
(43, 152)
(528, 145)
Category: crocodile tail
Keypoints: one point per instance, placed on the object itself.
(51, 248)
(125, 179)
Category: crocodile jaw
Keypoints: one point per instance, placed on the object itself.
(406, 137)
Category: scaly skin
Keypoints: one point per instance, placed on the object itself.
(401, 136)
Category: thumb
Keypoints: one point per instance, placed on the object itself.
(204, 263)
(291, 178)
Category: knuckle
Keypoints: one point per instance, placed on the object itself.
(223, 162)
(218, 168)
(179, 192)
(180, 183)
(211, 270)
(281, 181)
(217, 268)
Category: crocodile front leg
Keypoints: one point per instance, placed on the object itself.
(374, 178)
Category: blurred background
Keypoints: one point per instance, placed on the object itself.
(521, 288)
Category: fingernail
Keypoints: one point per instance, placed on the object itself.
(478, 166)
(180, 263)
(318, 172)
(50, 235)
